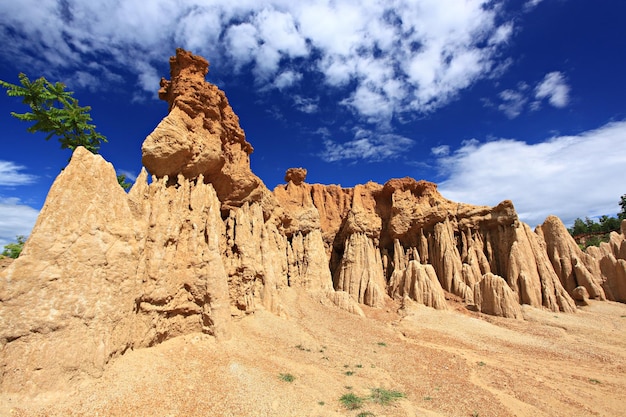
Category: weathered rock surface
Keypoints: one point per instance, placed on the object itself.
(67, 303)
(581, 295)
(104, 272)
(295, 175)
(201, 136)
(611, 257)
(573, 267)
(493, 296)
(206, 241)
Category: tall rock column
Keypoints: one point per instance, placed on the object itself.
(67, 304)
(360, 268)
(201, 135)
(573, 267)
(361, 272)
(184, 283)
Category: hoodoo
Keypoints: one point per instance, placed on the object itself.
(206, 242)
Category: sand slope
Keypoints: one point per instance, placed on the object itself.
(447, 363)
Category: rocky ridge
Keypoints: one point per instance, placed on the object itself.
(205, 242)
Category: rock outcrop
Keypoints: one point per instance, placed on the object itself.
(611, 258)
(104, 272)
(205, 241)
(493, 296)
(573, 267)
(201, 136)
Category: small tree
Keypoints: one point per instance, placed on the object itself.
(121, 179)
(56, 112)
(13, 250)
(622, 203)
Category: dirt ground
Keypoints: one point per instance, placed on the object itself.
(446, 363)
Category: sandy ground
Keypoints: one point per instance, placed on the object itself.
(446, 363)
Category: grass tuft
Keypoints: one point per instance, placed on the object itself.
(351, 401)
(286, 377)
(384, 397)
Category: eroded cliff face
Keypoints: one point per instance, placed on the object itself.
(204, 241)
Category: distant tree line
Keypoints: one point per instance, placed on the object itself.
(590, 232)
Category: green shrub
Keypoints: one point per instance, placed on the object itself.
(13, 250)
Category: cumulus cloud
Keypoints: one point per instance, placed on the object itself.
(569, 176)
(366, 145)
(407, 56)
(287, 79)
(16, 219)
(554, 88)
(10, 175)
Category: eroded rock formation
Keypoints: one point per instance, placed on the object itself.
(205, 241)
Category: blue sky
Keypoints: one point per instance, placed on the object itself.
(492, 100)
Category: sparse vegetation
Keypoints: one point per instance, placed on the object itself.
(351, 401)
(383, 396)
(349, 373)
(286, 377)
(382, 344)
(589, 232)
(321, 403)
(481, 363)
(428, 398)
(594, 381)
(121, 180)
(13, 250)
(365, 414)
(359, 366)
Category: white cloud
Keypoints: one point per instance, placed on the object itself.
(130, 176)
(15, 219)
(531, 4)
(241, 42)
(554, 88)
(442, 150)
(287, 79)
(366, 145)
(10, 175)
(569, 176)
(306, 105)
(403, 56)
(513, 103)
